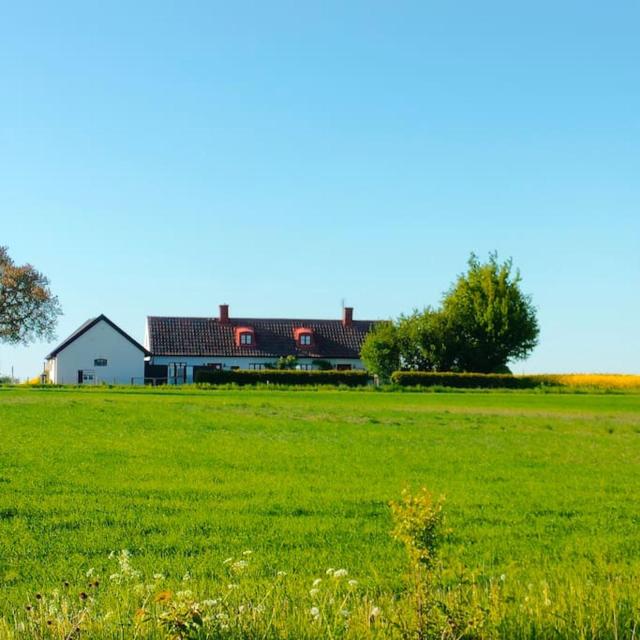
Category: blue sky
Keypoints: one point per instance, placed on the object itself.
(164, 157)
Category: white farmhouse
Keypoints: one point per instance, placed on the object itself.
(176, 348)
(97, 352)
(181, 346)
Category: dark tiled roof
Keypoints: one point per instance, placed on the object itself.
(274, 337)
(85, 326)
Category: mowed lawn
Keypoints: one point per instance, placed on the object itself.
(537, 485)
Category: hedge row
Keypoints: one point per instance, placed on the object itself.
(470, 380)
(282, 376)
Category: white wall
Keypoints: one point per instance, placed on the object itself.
(124, 360)
(243, 362)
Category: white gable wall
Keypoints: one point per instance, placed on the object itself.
(124, 360)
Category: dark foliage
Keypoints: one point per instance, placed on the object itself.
(282, 376)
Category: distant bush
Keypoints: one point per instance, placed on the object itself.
(282, 376)
(575, 381)
(470, 380)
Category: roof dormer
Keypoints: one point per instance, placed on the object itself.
(303, 337)
(245, 337)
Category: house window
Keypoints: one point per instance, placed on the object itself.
(245, 337)
(343, 367)
(305, 367)
(257, 365)
(100, 362)
(214, 365)
(177, 373)
(303, 336)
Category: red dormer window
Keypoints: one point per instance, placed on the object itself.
(303, 336)
(245, 337)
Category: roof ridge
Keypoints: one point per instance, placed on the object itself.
(243, 318)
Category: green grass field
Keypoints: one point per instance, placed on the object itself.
(539, 487)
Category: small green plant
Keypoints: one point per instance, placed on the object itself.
(287, 362)
(418, 525)
(440, 611)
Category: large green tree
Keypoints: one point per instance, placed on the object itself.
(28, 309)
(493, 320)
(485, 321)
(427, 342)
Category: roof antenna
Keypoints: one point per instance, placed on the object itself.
(342, 303)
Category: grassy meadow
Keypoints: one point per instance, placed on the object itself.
(541, 503)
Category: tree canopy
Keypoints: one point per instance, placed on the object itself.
(28, 309)
(493, 320)
(484, 322)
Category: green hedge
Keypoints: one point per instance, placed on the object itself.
(469, 380)
(279, 376)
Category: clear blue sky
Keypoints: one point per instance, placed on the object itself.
(164, 157)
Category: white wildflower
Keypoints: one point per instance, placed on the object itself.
(233, 586)
(314, 592)
(158, 576)
(374, 613)
(315, 612)
(248, 552)
(227, 561)
(329, 572)
(90, 572)
(353, 583)
(317, 581)
(186, 577)
(209, 603)
(281, 574)
(239, 565)
(340, 573)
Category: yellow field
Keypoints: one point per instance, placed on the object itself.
(596, 380)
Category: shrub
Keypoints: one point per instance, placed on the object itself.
(286, 362)
(277, 376)
(437, 611)
(470, 380)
